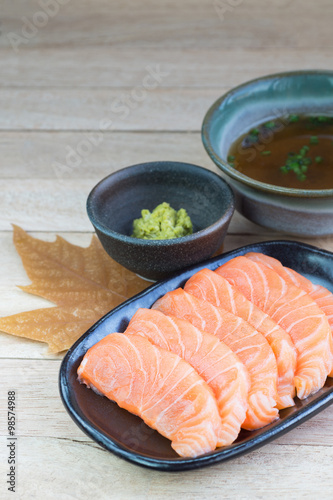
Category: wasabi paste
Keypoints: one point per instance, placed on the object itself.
(162, 223)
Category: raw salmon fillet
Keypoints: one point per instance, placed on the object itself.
(208, 285)
(320, 294)
(159, 386)
(251, 347)
(294, 311)
(213, 360)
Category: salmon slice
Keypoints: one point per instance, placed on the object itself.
(213, 360)
(251, 347)
(157, 385)
(294, 311)
(320, 294)
(207, 285)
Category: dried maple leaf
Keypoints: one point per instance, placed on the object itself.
(85, 283)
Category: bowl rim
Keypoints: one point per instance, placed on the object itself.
(227, 214)
(235, 174)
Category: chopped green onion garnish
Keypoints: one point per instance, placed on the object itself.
(231, 158)
(314, 139)
(318, 159)
(265, 153)
(304, 150)
(317, 120)
(297, 163)
(293, 118)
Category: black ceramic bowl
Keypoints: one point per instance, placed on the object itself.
(119, 198)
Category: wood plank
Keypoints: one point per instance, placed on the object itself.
(52, 205)
(40, 412)
(14, 300)
(85, 155)
(168, 24)
(20, 348)
(238, 240)
(45, 179)
(36, 203)
(87, 109)
(13, 273)
(105, 66)
(60, 205)
(51, 468)
(45, 170)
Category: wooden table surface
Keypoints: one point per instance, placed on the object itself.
(77, 104)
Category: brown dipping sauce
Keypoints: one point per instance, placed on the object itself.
(294, 151)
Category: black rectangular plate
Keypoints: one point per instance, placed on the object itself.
(126, 435)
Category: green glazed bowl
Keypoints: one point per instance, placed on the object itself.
(300, 212)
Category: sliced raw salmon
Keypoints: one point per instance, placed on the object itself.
(320, 294)
(213, 360)
(251, 347)
(159, 386)
(210, 286)
(294, 311)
